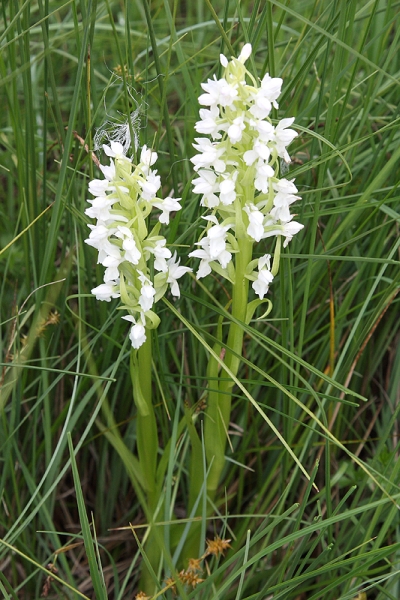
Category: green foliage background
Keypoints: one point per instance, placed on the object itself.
(65, 68)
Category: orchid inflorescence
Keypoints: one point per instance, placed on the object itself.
(238, 172)
(123, 200)
(238, 177)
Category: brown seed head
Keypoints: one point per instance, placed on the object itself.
(190, 578)
(194, 565)
(217, 546)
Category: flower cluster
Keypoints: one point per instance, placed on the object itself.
(238, 171)
(190, 577)
(123, 200)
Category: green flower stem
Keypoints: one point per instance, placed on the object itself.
(220, 399)
(147, 439)
(147, 447)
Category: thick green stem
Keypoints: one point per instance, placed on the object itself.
(147, 446)
(147, 439)
(219, 401)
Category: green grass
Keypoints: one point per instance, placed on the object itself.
(67, 417)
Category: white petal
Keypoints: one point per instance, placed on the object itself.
(245, 53)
